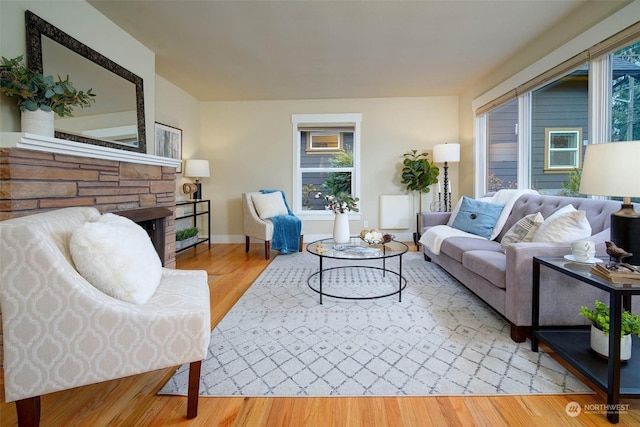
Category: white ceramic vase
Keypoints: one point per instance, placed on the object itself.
(38, 122)
(600, 344)
(341, 228)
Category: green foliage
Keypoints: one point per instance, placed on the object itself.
(34, 91)
(186, 233)
(599, 317)
(572, 188)
(418, 172)
(339, 182)
(307, 191)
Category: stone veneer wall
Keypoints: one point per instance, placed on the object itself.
(33, 181)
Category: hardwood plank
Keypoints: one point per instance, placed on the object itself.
(133, 401)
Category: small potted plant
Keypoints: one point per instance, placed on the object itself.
(599, 318)
(38, 95)
(186, 237)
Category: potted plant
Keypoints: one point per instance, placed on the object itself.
(418, 173)
(186, 237)
(599, 318)
(39, 95)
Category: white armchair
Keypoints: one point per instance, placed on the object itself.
(258, 228)
(61, 332)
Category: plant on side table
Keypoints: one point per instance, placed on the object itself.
(186, 237)
(599, 318)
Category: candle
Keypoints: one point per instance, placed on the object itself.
(438, 186)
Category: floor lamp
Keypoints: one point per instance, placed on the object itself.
(611, 169)
(445, 153)
(196, 168)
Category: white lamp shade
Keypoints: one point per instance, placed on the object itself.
(446, 153)
(612, 169)
(196, 168)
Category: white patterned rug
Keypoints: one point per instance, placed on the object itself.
(440, 340)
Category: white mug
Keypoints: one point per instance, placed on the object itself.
(583, 250)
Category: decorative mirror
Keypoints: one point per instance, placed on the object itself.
(116, 119)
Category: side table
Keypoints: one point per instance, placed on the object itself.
(615, 378)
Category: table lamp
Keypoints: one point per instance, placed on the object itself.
(445, 153)
(196, 168)
(613, 169)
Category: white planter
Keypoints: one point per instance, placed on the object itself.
(38, 122)
(341, 228)
(600, 344)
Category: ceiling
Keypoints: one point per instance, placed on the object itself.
(314, 49)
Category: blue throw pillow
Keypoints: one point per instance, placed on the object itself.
(477, 217)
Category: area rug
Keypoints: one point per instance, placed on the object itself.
(439, 340)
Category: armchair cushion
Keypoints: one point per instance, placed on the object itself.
(269, 205)
(116, 256)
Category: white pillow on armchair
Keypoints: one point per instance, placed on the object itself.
(116, 256)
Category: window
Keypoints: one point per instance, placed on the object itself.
(592, 97)
(324, 142)
(502, 147)
(625, 90)
(562, 149)
(326, 155)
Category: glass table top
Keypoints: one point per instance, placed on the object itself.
(356, 248)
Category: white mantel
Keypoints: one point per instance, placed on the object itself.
(29, 141)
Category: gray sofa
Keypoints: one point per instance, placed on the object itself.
(504, 281)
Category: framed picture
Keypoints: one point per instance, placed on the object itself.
(169, 143)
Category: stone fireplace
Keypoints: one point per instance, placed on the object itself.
(32, 181)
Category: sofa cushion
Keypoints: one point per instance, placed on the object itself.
(565, 225)
(491, 265)
(116, 255)
(455, 247)
(522, 231)
(477, 217)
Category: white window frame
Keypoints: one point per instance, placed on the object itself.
(325, 120)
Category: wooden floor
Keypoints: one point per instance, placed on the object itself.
(132, 401)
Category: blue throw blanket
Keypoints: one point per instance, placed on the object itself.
(286, 229)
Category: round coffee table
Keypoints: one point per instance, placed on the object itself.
(356, 250)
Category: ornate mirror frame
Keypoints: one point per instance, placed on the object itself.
(37, 27)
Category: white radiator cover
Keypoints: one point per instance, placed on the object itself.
(394, 212)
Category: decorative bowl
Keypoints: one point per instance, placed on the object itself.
(375, 237)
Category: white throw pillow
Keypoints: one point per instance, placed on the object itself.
(565, 225)
(116, 256)
(269, 205)
(522, 231)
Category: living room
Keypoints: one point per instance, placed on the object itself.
(248, 142)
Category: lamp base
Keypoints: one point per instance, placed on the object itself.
(198, 194)
(625, 232)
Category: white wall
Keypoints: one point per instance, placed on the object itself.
(250, 147)
(176, 108)
(82, 21)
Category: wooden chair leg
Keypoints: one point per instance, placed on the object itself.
(28, 412)
(194, 389)
(246, 243)
(301, 242)
(267, 249)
